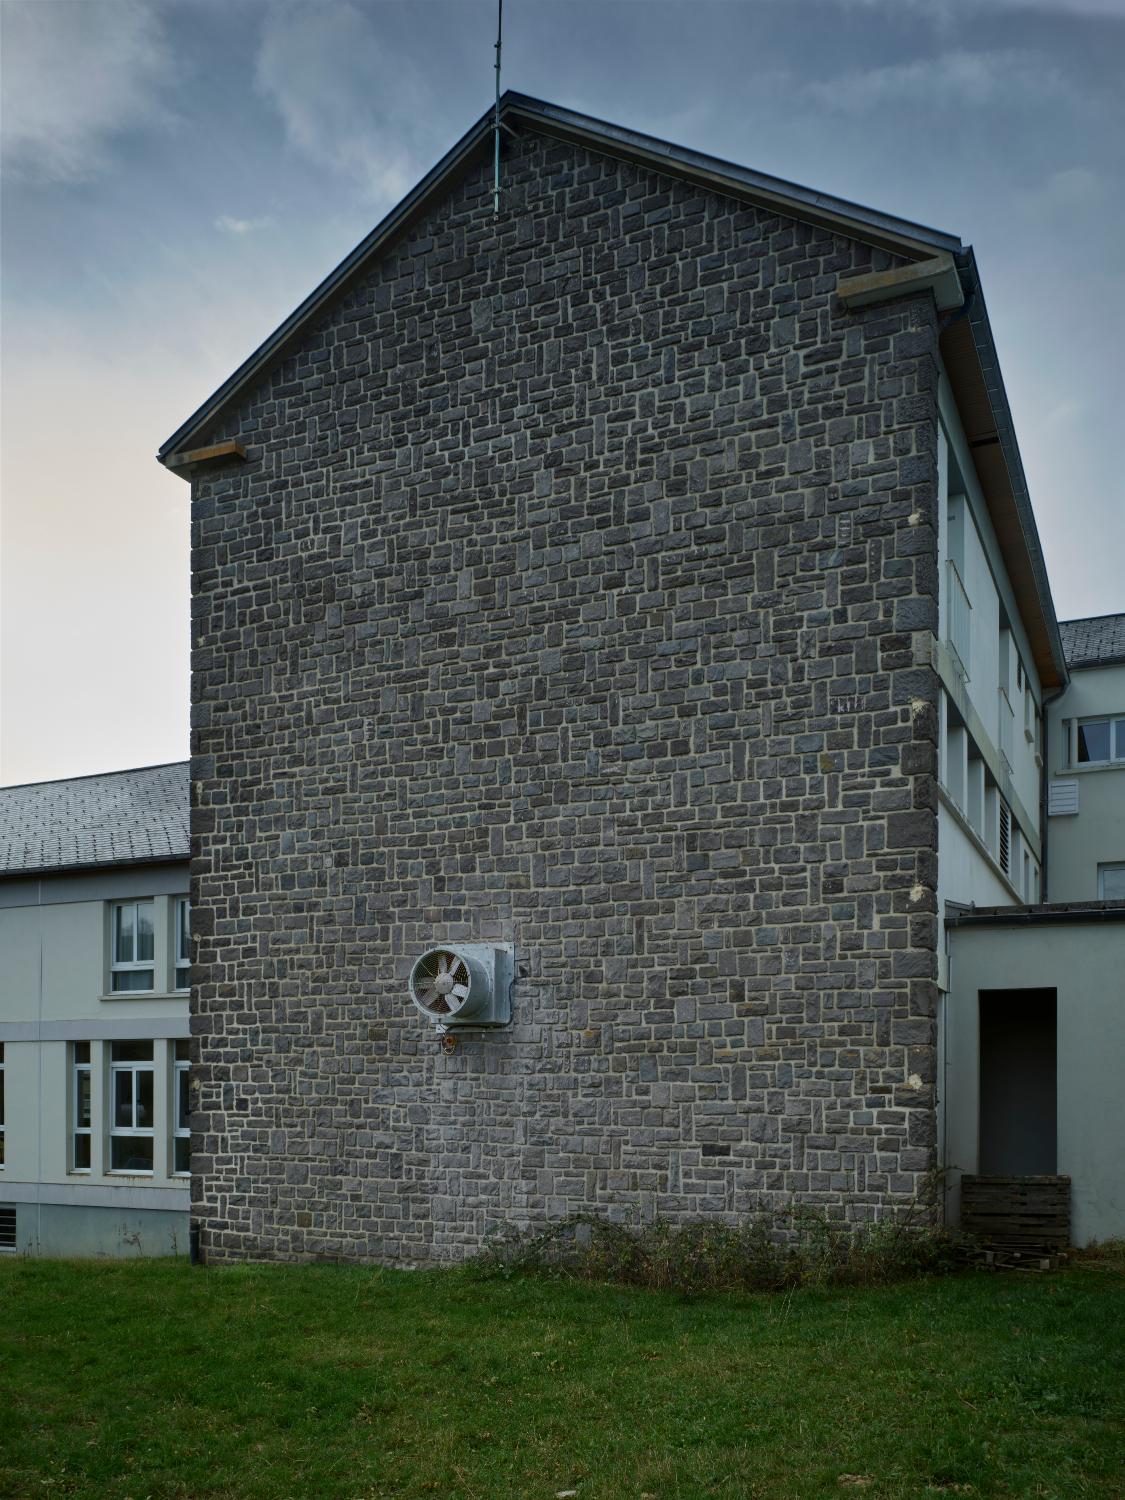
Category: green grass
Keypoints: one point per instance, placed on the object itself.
(151, 1379)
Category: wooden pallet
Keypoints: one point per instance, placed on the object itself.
(1029, 1215)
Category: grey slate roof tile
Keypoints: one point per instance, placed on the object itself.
(118, 818)
(1098, 639)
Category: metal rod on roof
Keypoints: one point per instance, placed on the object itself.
(496, 130)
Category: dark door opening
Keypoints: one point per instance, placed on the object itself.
(1018, 1083)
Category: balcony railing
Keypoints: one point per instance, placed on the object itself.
(960, 621)
(1007, 720)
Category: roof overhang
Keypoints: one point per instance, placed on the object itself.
(914, 241)
(938, 263)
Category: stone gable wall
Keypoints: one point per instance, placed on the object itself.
(577, 593)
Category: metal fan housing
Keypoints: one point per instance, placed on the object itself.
(460, 986)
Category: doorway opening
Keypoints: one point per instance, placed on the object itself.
(1018, 1083)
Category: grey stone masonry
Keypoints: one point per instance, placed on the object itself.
(577, 593)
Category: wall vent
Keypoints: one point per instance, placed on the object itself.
(1005, 837)
(1062, 799)
(463, 986)
(7, 1226)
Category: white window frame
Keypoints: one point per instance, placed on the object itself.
(76, 1069)
(180, 1066)
(181, 956)
(1112, 723)
(133, 965)
(1102, 869)
(134, 1067)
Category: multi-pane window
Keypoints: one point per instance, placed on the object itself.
(132, 964)
(181, 1110)
(182, 942)
(80, 1105)
(1, 1104)
(131, 1096)
(1101, 740)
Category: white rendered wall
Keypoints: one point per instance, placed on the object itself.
(1078, 844)
(1085, 964)
(53, 992)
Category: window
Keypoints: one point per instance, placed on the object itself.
(131, 952)
(80, 1104)
(131, 1092)
(181, 1111)
(1, 1104)
(1101, 741)
(1111, 882)
(182, 942)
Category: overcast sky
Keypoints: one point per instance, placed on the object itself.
(177, 176)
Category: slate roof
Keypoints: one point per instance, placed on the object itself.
(1096, 641)
(124, 817)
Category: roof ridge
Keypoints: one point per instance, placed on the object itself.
(163, 765)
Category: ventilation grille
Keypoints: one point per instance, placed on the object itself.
(1005, 838)
(7, 1226)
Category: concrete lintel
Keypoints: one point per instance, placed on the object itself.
(938, 275)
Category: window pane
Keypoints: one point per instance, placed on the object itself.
(132, 1051)
(144, 1098)
(131, 1153)
(183, 978)
(82, 1100)
(144, 931)
(182, 1107)
(1119, 742)
(82, 1052)
(183, 1049)
(81, 1152)
(183, 931)
(1112, 883)
(1093, 740)
(123, 1097)
(123, 930)
(182, 1154)
(126, 980)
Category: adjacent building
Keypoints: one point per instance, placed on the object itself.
(639, 585)
(94, 984)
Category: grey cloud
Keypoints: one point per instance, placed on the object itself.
(76, 75)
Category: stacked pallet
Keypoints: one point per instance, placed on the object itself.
(1018, 1223)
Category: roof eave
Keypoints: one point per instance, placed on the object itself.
(853, 219)
(1052, 668)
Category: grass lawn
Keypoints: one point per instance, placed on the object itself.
(149, 1379)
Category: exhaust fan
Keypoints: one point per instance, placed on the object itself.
(462, 987)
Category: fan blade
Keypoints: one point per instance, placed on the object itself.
(461, 991)
(443, 965)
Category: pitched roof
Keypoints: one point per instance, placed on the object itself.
(1096, 641)
(916, 241)
(967, 344)
(123, 817)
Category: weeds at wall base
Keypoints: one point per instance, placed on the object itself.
(768, 1252)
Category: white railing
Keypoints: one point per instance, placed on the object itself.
(1007, 720)
(960, 616)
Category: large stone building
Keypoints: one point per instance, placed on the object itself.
(599, 581)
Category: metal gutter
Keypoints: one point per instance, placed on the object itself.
(899, 235)
(1035, 916)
